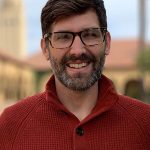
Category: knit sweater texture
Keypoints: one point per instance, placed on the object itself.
(41, 122)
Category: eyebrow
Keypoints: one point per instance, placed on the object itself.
(92, 27)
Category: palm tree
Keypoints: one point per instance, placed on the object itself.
(142, 23)
(144, 53)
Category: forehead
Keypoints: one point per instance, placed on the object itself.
(76, 23)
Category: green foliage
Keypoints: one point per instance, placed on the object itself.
(38, 77)
(144, 60)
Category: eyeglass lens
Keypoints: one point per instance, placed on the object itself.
(65, 39)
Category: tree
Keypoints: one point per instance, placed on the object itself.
(144, 60)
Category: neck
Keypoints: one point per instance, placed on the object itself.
(80, 103)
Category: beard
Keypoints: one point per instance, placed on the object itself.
(79, 82)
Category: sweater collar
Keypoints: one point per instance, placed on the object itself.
(106, 99)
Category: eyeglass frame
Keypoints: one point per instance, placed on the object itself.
(46, 36)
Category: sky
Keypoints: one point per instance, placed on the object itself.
(122, 19)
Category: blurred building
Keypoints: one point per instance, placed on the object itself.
(16, 78)
(16, 75)
(12, 27)
(122, 67)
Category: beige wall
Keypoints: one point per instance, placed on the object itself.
(121, 76)
(16, 81)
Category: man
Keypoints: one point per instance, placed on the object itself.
(80, 109)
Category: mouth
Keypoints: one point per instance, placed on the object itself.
(77, 65)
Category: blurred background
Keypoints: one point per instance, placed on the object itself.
(24, 71)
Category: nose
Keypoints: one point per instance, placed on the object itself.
(77, 47)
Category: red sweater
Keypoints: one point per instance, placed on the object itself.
(41, 122)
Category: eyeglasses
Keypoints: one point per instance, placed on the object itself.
(89, 37)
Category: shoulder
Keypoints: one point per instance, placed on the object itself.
(23, 106)
(137, 111)
(133, 105)
(13, 117)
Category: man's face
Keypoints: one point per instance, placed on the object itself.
(78, 67)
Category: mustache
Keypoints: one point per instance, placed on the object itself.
(83, 57)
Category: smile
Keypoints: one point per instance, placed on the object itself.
(77, 66)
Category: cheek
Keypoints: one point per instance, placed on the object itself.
(98, 51)
(57, 55)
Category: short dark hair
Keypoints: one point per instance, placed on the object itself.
(56, 9)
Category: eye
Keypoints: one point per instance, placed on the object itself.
(91, 33)
(62, 36)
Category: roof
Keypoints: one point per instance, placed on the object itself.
(38, 62)
(123, 54)
(6, 57)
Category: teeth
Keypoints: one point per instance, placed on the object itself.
(77, 66)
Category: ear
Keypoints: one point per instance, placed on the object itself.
(108, 42)
(44, 48)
